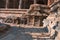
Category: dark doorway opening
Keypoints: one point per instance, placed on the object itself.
(13, 4)
(44, 2)
(2, 3)
(26, 4)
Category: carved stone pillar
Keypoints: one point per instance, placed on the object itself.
(34, 1)
(20, 2)
(28, 20)
(7, 1)
(33, 20)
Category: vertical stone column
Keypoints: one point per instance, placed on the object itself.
(20, 2)
(34, 1)
(30, 21)
(48, 2)
(39, 21)
(33, 21)
(27, 20)
(7, 2)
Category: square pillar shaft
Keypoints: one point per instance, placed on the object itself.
(30, 20)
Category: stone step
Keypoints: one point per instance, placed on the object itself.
(39, 35)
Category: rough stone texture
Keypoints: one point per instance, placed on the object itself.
(19, 33)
